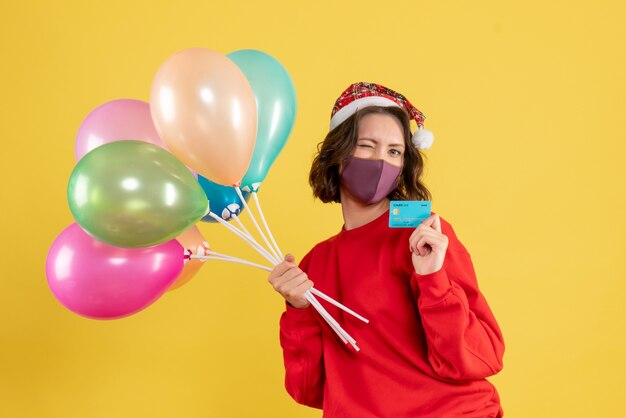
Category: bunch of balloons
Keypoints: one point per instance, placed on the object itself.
(147, 173)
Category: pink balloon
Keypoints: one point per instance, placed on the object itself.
(114, 121)
(99, 281)
(117, 120)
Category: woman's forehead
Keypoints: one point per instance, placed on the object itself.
(381, 128)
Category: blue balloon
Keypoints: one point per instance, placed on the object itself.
(276, 110)
(223, 200)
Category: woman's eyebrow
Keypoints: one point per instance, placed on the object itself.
(376, 142)
(368, 139)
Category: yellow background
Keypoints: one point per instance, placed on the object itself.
(527, 102)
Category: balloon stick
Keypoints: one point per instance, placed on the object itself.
(331, 321)
(339, 305)
(231, 259)
(241, 225)
(258, 205)
(246, 238)
(258, 228)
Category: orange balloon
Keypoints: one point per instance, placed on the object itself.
(205, 111)
(191, 239)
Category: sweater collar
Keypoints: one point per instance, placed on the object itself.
(365, 229)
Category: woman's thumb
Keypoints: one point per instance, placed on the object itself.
(289, 257)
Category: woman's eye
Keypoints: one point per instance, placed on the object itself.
(395, 152)
(365, 146)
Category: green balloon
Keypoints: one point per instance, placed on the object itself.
(276, 103)
(134, 194)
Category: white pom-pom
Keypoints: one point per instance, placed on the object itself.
(423, 139)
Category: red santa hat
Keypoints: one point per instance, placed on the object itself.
(360, 95)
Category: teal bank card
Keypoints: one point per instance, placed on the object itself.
(408, 213)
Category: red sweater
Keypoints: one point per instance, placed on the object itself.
(431, 341)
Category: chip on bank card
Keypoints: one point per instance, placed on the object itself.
(408, 213)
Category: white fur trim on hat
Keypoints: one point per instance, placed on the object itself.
(349, 109)
(423, 139)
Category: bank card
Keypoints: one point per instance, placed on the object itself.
(408, 213)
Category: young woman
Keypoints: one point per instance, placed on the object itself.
(432, 338)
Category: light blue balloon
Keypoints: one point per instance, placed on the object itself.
(223, 200)
(276, 109)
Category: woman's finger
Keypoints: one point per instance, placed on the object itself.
(297, 298)
(423, 246)
(424, 226)
(279, 282)
(286, 287)
(281, 269)
(437, 224)
(433, 221)
(429, 240)
(417, 245)
(420, 230)
(291, 274)
(430, 233)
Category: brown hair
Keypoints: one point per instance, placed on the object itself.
(339, 145)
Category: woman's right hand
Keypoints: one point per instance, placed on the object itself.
(291, 282)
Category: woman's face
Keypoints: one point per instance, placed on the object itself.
(380, 137)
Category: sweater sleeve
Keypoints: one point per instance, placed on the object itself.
(301, 341)
(464, 340)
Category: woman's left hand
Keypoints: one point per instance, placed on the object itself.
(428, 246)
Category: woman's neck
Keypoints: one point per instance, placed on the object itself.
(356, 214)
